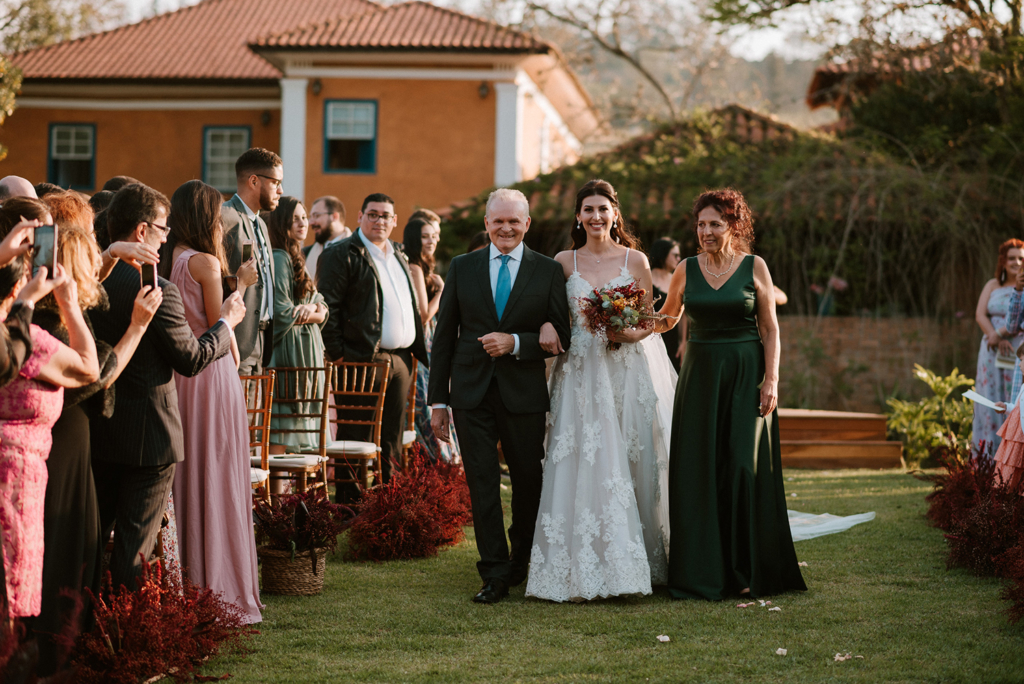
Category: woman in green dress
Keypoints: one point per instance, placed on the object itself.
(727, 504)
(299, 315)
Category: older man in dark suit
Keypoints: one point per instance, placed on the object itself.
(259, 173)
(488, 367)
(367, 286)
(134, 452)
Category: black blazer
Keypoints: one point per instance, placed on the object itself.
(237, 228)
(145, 429)
(467, 312)
(350, 284)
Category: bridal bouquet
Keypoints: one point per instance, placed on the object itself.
(617, 308)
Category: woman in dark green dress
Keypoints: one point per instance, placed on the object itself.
(727, 505)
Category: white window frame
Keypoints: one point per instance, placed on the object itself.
(227, 157)
(352, 120)
(75, 129)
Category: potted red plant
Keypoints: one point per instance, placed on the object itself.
(294, 534)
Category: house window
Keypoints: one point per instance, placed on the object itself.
(222, 146)
(72, 156)
(351, 136)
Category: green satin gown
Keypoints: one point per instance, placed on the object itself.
(727, 504)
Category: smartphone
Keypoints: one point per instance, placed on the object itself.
(148, 275)
(246, 251)
(44, 250)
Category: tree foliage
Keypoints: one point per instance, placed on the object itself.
(909, 240)
(26, 24)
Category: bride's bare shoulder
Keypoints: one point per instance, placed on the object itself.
(565, 259)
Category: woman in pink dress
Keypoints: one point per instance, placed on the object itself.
(212, 492)
(29, 406)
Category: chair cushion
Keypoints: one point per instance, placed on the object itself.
(295, 461)
(408, 437)
(257, 476)
(351, 448)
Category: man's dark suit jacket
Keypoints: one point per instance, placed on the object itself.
(350, 284)
(145, 429)
(467, 312)
(238, 228)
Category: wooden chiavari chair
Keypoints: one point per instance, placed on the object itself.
(358, 390)
(259, 399)
(409, 434)
(300, 396)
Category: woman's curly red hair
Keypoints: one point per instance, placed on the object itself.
(733, 208)
(1004, 252)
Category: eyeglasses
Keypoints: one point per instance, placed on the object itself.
(273, 181)
(164, 230)
(374, 217)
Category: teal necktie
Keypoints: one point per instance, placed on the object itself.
(504, 288)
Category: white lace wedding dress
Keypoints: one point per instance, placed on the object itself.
(603, 523)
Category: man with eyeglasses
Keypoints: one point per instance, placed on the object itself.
(136, 448)
(368, 290)
(258, 173)
(327, 219)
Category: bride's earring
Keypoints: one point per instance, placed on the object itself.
(579, 225)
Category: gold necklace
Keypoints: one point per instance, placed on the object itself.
(718, 275)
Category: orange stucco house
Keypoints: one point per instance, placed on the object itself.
(424, 103)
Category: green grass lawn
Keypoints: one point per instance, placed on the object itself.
(879, 590)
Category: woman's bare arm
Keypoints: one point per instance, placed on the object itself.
(768, 327)
(673, 306)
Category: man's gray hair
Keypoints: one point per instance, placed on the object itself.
(507, 195)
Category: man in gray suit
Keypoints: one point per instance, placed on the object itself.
(259, 173)
(134, 450)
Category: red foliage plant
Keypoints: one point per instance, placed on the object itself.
(966, 479)
(421, 509)
(983, 521)
(165, 627)
(307, 520)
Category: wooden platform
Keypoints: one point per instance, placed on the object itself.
(825, 440)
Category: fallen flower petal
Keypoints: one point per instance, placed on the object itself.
(781, 651)
(745, 605)
(793, 494)
(802, 564)
(775, 608)
(663, 638)
(861, 657)
(840, 657)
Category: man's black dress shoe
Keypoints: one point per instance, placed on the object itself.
(492, 592)
(518, 576)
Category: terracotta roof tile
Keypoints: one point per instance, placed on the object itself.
(408, 26)
(208, 40)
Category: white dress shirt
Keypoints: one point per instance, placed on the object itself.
(316, 250)
(263, 257)
(398, 315)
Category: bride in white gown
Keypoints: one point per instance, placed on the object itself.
(602, 529)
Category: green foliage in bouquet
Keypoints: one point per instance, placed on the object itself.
(938, 423)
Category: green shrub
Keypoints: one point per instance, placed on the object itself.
(941, 421)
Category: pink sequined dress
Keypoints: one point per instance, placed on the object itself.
(28, 409)
(212, 491)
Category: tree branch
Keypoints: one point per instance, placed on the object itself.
(614, 48)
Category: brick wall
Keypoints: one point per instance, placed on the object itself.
(850, 363)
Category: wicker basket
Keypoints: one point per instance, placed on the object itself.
(282, 575)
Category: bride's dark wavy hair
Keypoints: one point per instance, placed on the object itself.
(620, 232)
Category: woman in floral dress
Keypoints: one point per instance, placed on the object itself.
(992, 381)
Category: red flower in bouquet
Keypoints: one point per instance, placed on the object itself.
(617, 308)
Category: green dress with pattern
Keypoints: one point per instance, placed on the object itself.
(299, 346)
(727, 504)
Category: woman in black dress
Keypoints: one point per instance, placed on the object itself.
(664, 257)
